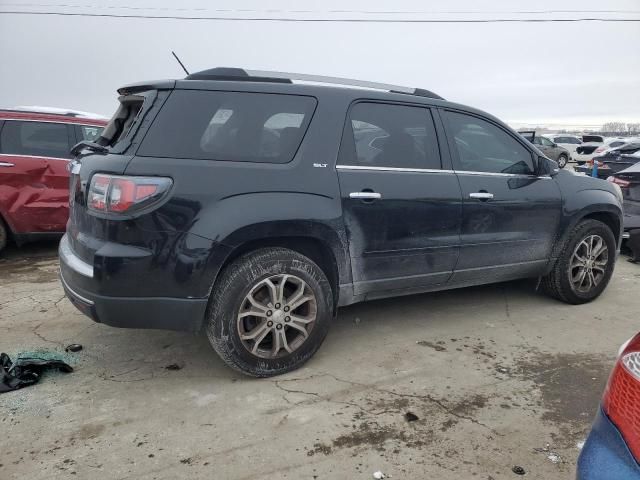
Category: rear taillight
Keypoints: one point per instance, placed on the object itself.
(121, 194)
(619, 181)
(621, 400)
(600, 149)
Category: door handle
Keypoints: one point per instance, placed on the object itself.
(481, 195)
(7, 164)
(365, 195)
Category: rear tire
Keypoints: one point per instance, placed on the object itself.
(269, 312)
(562, 161)
(585, 264)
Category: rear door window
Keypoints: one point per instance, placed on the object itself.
(387, 135)
(38, 139)
(232, 126)
(484, 147)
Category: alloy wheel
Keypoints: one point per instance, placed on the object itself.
(277, 316)
(562, 161)
(588, 263)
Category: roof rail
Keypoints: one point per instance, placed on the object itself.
(54, 111)
(239, 74)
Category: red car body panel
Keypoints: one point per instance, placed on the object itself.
(34, 190)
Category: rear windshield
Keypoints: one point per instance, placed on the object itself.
(123, 123)
(233, 126)
(592, 138)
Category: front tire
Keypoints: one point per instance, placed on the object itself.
(585, 265)
(269, 312)
(562, 161)
(4, 235)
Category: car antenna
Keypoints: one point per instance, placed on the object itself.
(181, 64)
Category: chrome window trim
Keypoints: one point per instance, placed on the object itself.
(34, 156)
(392, 169)
(49, 121)
(433, 170)
(495, 174)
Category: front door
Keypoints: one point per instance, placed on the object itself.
(401, 209)
(510, 216)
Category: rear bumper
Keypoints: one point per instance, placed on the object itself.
(184, 314)
(605, 455)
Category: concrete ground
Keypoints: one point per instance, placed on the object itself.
(491, 377)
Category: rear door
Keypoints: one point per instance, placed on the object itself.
(34, 188)
(401, 208)
(510, 216)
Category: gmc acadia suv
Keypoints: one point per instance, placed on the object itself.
(250, 205)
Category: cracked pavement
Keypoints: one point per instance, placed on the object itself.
(497, 376)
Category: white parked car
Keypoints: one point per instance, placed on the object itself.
(613, 143)
(595, 145)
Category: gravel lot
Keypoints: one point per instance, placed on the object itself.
(497, 376)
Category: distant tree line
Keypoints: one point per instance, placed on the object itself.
(609, 129)
(614, 129)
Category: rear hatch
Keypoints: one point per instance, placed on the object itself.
(109, 154)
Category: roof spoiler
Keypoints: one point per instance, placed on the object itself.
(144, 86)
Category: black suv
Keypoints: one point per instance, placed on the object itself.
(250, 205)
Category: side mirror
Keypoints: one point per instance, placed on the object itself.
(547, 167)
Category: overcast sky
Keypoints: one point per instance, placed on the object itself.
(555, 73)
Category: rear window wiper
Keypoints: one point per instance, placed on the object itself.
(94, 147)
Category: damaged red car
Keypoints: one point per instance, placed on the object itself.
(35, 144)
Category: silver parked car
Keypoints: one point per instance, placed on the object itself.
(551, 149)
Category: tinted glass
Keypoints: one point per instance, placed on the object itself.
(41, 139)
(89, 133)
(484, 147)
(384, 135)
(234, 126)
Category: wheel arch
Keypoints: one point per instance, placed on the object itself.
(311, 247)
(607, 214)
(322, 243)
